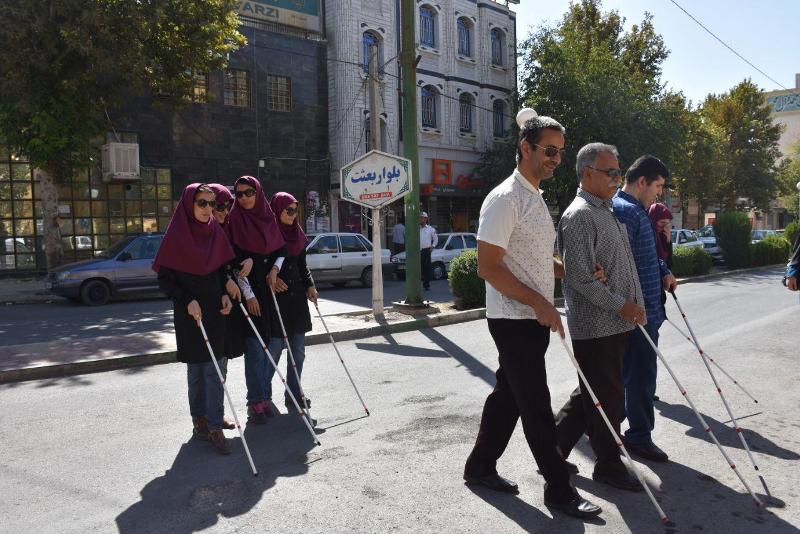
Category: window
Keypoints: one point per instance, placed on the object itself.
(427, 26)
(369, 39)
(465, 105)
(464, 37)
(237, 88)
(199, 87)
(471, 241)
(280, 93)
(430, 96)
(498, 43)
(455, 243)
(350, 243)
(326, 244)
(144, 248)
(364, 242)
(499, 118)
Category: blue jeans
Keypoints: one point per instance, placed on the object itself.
(297, 341)
(254, 368)
(639, 371)
(206, 396)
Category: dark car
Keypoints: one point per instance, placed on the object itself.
(122, 268)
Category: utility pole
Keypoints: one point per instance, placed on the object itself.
(375, 144)
(408, 53)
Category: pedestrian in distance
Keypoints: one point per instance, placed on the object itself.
(515, 258)
(644, 183)
(399, 237)
(293, 288)
(427, 242)
(192, 266)
(255, 235)
(599, 316)
(793, 267)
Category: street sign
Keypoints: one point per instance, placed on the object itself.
(376, 179)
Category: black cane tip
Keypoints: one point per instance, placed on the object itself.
(255, 474)
(667, 522)
(754, 400)
(367, 412)
(756, 467)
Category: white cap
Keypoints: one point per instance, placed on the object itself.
(424, 214)
(524, 115)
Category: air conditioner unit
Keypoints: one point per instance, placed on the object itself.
(120, 161)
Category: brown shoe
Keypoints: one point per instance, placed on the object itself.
(200, 430)
(227, 424)
(219, 441)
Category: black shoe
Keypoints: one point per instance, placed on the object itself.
(572, 469)
(577, 507)
(492, 481)
(624, 481)
(656, 398)
(648, 451)
(290, 404)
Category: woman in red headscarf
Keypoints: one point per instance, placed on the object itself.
(192, 264)
(294, 286)
(254, 233)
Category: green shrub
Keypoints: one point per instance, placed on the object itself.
(792, 230)
(770, 250)
(688, 261)
(732, 230)
(467, 287)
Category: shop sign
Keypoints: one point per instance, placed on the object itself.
(303, 14)
(376, 179)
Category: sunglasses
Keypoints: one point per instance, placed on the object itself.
(611, 173)
(246, 193)
(203, 203)
(223, 207)
(291, 211)
(551, 151)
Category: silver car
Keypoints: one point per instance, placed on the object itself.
(448, 247)
(340, 257)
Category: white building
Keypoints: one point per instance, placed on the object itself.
(465, 79)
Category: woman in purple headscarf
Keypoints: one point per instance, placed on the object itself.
(294, 286)
(254, 233)
(192, 264)
(660, 218)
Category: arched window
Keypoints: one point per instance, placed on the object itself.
(464, 37)
(466, 104)
(369, 39)
(427, 26)
(499, 118)
(498, 45)
(430, 105)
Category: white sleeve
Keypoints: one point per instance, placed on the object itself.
(496, 222)
(278, 263)
(247, 291)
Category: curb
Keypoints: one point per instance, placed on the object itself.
(157, 358)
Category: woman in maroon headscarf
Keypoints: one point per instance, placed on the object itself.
(192, 264)
(254, 233)
(660, 218)
(294, 286)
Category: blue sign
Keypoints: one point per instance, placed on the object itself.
(780, 103)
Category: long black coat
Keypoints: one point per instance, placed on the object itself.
(293, 303)
(207, 290)
(267, 324)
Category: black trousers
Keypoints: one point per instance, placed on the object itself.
(427, 269)
(521, 391)
(600, 360)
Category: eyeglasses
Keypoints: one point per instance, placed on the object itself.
(551, 151)
(246, 193)
(611, 173)
(223, 207)
(203, 203)
(291, 211)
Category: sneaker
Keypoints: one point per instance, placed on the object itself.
(219, 441)
(200, 430)
(256, 414)
(227, 424)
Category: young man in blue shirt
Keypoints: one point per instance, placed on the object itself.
(644, 182)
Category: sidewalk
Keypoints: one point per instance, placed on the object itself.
(24, 291)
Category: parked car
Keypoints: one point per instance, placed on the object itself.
(709, 240)
(122, 268)
(340, 257)
(686, 238)
(758, 235)
(448, 247)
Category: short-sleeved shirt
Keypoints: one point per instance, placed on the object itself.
(514, 217)
(399, 234)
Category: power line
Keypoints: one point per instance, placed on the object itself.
(726, 45)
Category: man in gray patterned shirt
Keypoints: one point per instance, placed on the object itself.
(599, 315)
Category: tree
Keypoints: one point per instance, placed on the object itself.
(65, 64)
(788, 177)
(749, 155)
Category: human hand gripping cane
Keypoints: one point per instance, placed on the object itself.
(617, 439)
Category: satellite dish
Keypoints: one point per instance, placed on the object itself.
(524, 115)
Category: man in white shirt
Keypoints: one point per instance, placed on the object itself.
(399, 237)
(427, 242)
(515, 257)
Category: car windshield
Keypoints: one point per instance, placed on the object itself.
(442, 240)
(117, 247)
(706, 231)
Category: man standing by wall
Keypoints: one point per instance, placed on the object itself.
(599, 315)
(515, 257)
(644, 181)
(427, 242)
(399, 237)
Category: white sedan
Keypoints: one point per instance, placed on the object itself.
(338, 257)
(448, 247)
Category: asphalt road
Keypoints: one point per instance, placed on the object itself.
(64, 320)
(111, 452)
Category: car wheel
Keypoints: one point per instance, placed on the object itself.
(95, 293)
(439, 271)
(366, 277)
(338, 284)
